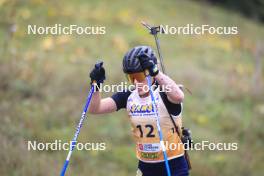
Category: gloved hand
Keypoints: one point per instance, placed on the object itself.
(98, 74)
(149, 63)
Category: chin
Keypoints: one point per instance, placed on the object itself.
(142, 93)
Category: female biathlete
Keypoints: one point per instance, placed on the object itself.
(142, 116)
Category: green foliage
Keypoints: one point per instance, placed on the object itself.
(253, 9)
(44, 81)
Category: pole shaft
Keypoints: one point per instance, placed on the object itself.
(78, 129)
(159, 53)
(158, 126)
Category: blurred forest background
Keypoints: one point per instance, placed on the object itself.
(44, 82)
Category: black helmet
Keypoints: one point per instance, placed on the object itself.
(131, 62)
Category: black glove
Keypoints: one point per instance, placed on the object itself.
(149, 63)
(98, 74)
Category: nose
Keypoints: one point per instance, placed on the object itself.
(137, 83)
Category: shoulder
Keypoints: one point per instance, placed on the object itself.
(120, 98)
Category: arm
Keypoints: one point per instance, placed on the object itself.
(149, 62)
(101, 106)
(98, 105)
(106, 105)
(174, 93)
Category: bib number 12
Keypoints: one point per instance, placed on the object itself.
(149, 128)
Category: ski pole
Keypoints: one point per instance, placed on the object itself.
(154, 31)
(158, 123)
(79, 126)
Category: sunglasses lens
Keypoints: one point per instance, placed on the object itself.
(140, 77)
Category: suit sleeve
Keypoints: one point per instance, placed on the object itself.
(173, 109)
(120, 99)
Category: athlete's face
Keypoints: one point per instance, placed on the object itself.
(142, 87)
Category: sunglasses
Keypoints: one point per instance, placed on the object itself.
(140, 77)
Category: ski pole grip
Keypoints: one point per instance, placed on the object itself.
(99, 64)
